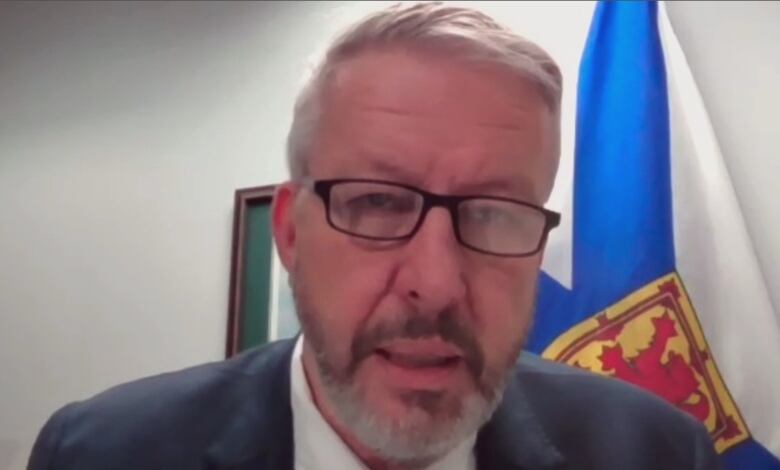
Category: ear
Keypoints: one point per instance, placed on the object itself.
(283, 222)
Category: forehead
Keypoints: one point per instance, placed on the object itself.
(435, 122)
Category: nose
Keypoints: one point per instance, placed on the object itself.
(431, 274)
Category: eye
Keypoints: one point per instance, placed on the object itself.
(387, 202)
(379, 199)
(487, 214)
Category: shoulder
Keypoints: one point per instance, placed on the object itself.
(572, 389)
(605, 418)
(178, 395)
(160, 417)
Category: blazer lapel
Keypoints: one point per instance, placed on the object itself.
(514, 438)
(259, 435)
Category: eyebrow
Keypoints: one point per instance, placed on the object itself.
(501, 186)
(382, 166)
(523, 190)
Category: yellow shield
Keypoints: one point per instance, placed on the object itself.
(652, 339)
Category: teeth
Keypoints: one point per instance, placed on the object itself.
(419, 361)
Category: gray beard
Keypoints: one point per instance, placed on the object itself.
(427, 432)
(421, 437)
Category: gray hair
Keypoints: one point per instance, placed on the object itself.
(467, 34)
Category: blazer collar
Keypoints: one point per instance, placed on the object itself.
(260, 434)
(514, 438)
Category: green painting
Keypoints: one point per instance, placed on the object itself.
(261, 307)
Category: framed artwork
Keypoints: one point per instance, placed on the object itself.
(260, 307)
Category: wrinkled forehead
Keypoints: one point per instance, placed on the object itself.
(437, 122)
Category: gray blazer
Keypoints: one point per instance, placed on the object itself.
(236, 415)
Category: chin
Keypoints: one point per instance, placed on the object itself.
(413, 427)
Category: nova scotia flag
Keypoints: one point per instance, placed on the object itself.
(665, 289)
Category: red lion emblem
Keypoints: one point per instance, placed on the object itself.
(674, 380)
(674, 364)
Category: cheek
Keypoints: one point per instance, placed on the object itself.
(502, 304)
(342, 284)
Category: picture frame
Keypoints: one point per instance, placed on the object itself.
(260, 305)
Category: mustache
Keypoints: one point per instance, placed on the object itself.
(419, 326)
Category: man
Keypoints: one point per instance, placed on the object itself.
(421, 153)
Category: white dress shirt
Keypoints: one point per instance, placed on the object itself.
(318, 447)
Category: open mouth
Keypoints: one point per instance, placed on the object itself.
(418, 361)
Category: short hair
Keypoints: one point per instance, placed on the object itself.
(465, 33)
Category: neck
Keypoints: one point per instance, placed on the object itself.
(369, 458)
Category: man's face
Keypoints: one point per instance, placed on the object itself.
(409, 332)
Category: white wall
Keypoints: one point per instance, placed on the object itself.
(126, 127)
(732, 48)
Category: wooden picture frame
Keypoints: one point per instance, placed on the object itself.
(251, 262)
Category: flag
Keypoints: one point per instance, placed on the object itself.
(665, 290)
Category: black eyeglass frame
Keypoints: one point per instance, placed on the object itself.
(430, 200)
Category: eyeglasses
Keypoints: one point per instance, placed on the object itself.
(387, 211)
